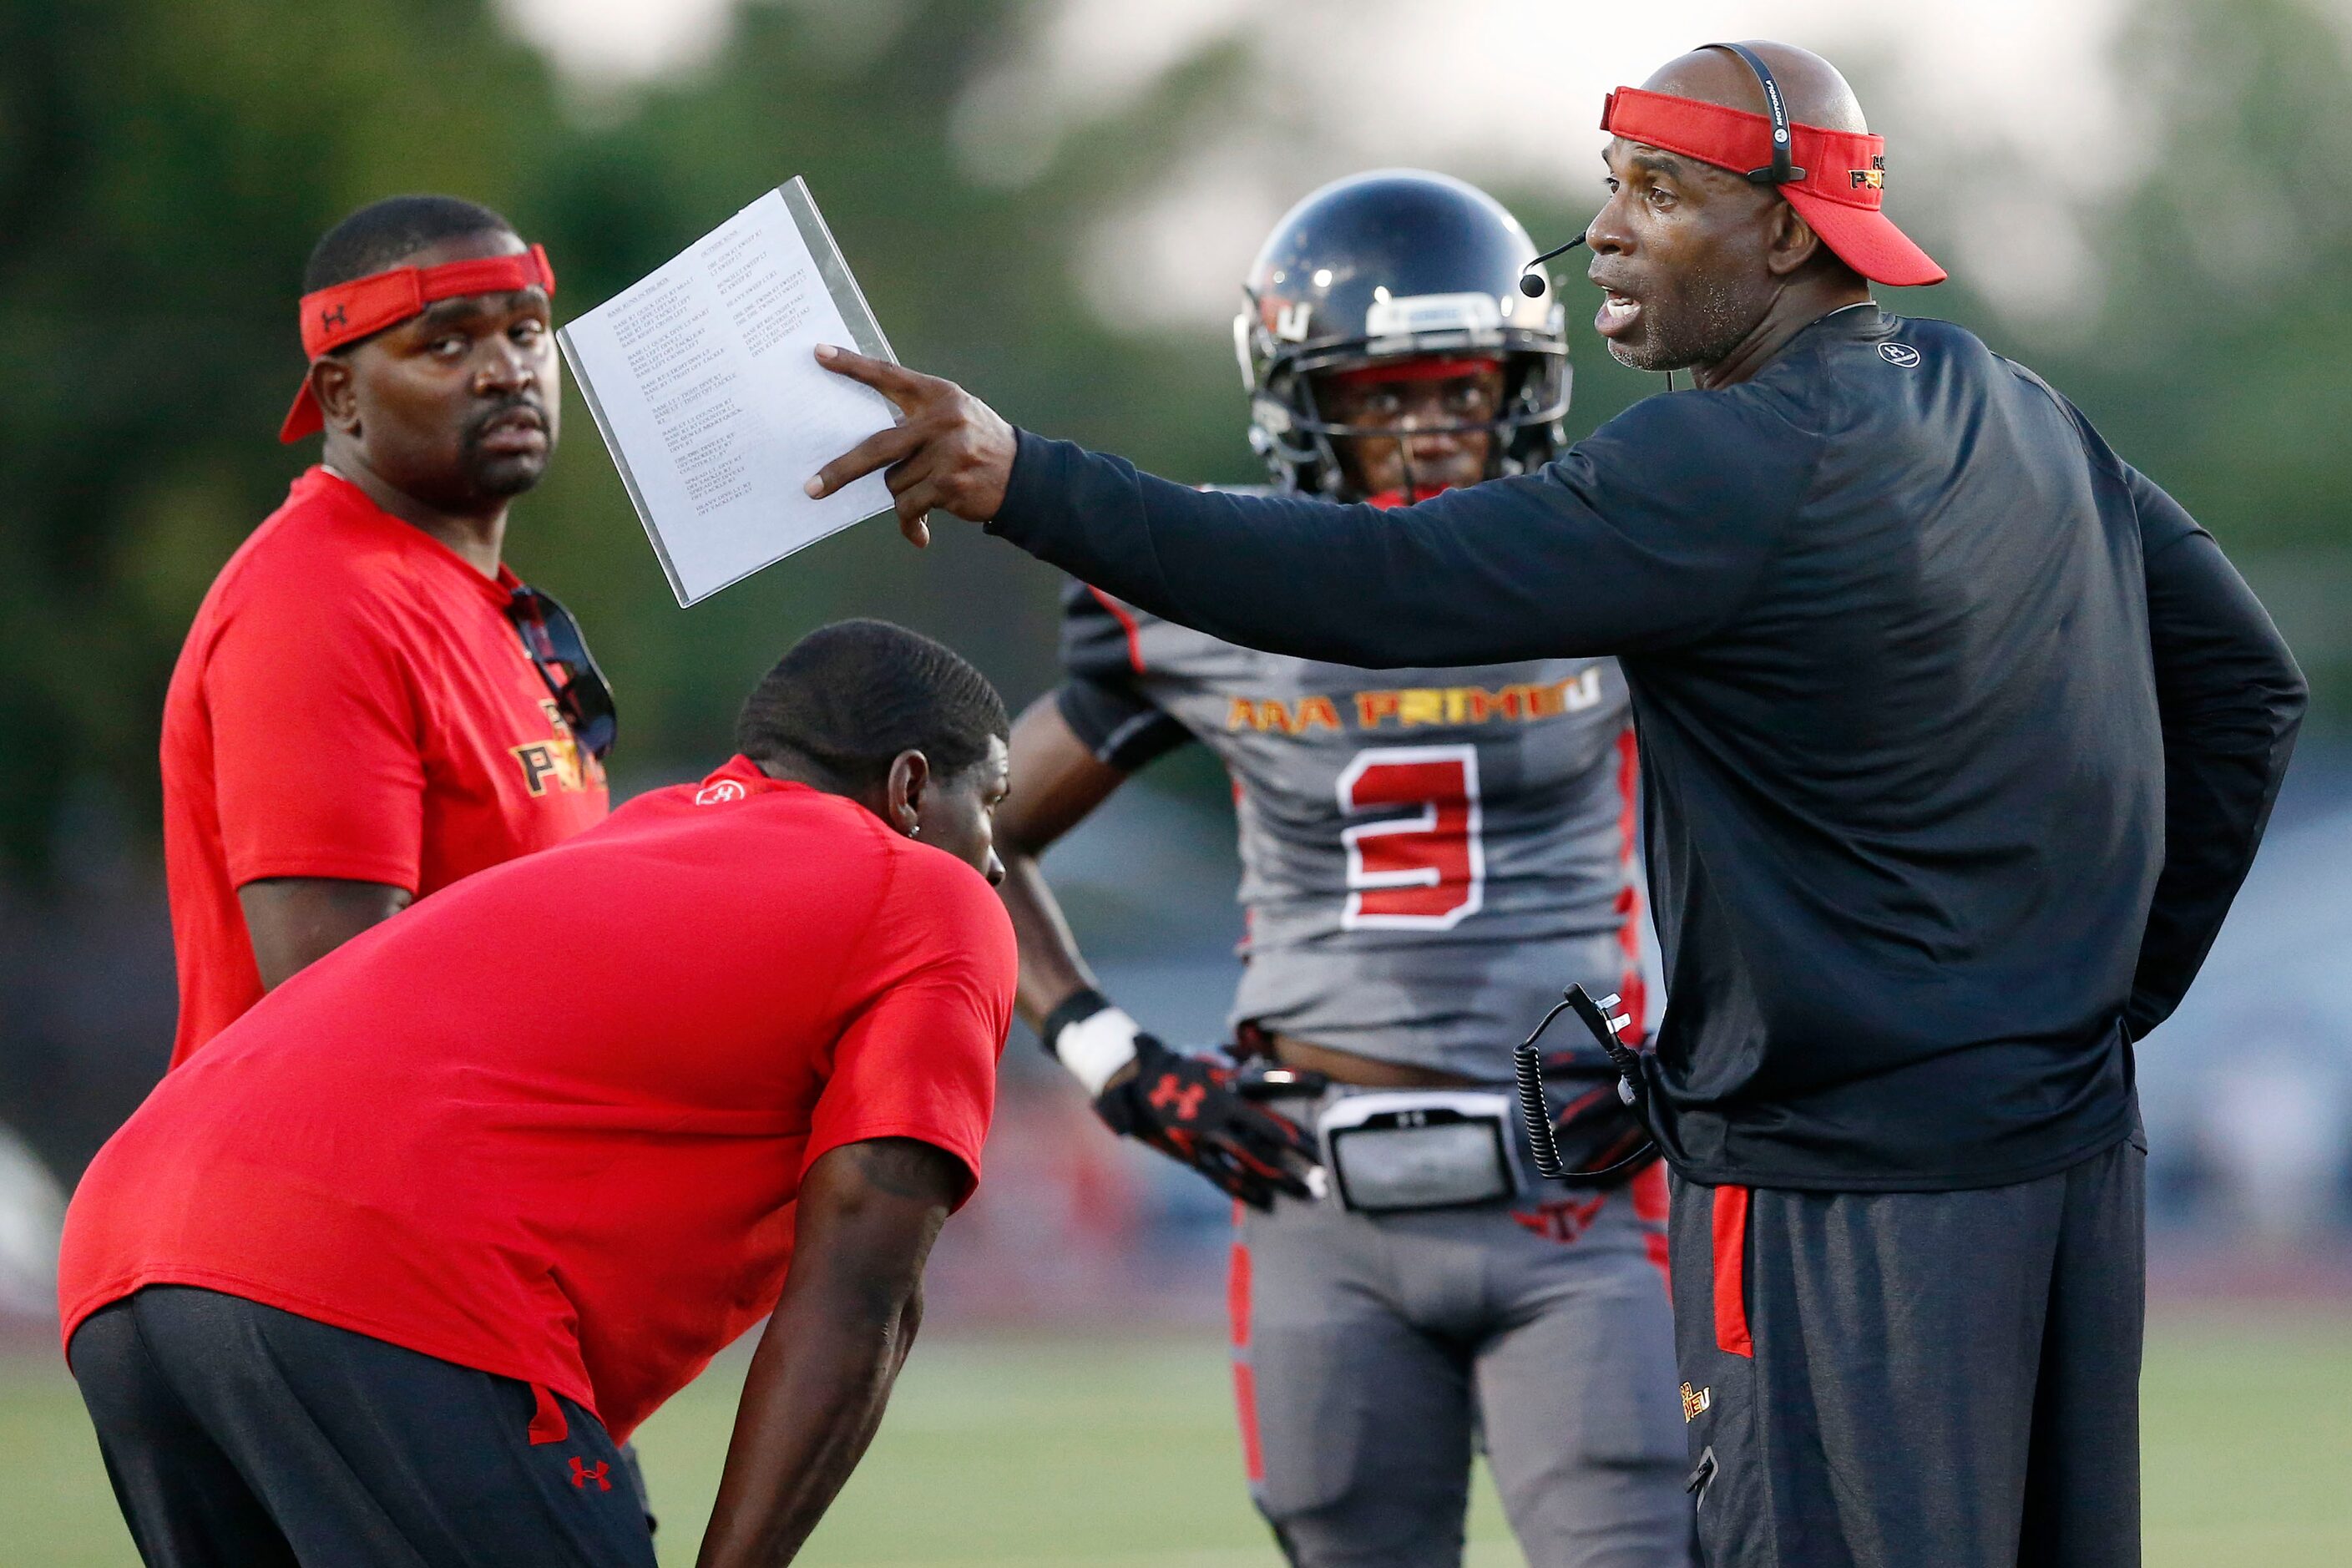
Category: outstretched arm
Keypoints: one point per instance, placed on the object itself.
(852, 1303)
(2230, 700)
(1056, 783)
(1646, 536)
(1184, 1106)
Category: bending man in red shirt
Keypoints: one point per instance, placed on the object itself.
(369, 705)
(459, 1205)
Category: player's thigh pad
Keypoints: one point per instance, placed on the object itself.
(1576, 1393)
(1362, 1421)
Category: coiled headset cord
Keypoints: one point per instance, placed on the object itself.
(1527, 1065)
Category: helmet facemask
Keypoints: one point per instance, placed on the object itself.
(1396, 270)
(1407, 428)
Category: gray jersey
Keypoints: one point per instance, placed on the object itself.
(1428, 856)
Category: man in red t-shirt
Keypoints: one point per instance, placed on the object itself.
(369, 705)
(460, 1204)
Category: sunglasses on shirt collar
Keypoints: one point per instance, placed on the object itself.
(582, 694)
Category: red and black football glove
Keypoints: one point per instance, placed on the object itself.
(1187, 1108)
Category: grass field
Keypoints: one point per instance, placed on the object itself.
(1000, 1452)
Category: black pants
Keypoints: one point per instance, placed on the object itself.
(238, 1436)
(1894, 1380)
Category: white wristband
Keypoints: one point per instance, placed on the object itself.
(1096, 1047)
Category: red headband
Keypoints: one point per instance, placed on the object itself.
(366, 306)
(1421, 367)
(1840, 196)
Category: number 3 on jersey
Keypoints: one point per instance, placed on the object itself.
(1423, 872)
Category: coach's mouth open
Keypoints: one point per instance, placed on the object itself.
(1619, 314)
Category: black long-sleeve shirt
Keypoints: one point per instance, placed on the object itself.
(1958, 733)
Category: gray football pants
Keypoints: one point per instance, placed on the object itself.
(1372, 1352)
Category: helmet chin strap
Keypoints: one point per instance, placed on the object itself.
(1335, 472)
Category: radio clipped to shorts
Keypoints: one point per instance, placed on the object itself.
(1423, 1149)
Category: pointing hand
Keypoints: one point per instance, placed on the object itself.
(949, 451)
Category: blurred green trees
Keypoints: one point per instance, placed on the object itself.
(2219, 359)
(163, 170)
(165, 165)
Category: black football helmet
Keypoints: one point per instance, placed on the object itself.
(1392, 265)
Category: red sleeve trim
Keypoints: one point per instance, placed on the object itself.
(331, 867)
(1126, 620)
(1731, 1334)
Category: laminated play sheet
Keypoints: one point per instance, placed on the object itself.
(702, 379)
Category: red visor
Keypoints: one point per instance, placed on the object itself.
(1845, 182)
(366, 306)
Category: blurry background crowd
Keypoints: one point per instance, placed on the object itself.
(2148, 201)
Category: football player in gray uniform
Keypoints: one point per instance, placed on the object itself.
(1428, 858)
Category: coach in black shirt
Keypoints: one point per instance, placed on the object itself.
(1960, 736)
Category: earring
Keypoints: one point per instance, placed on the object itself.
(915, 830)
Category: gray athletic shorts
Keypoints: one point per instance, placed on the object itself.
(1372, 1353)
(1899, 1380)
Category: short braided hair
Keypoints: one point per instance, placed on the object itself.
(850, 697)
(379, 235)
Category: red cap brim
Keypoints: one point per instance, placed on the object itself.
(1865, 239)
(305, 418)
(1841, 192)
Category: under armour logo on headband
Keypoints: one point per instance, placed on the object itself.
(347, 312)
(363, 307)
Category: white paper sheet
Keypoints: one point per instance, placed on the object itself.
(703, 381)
